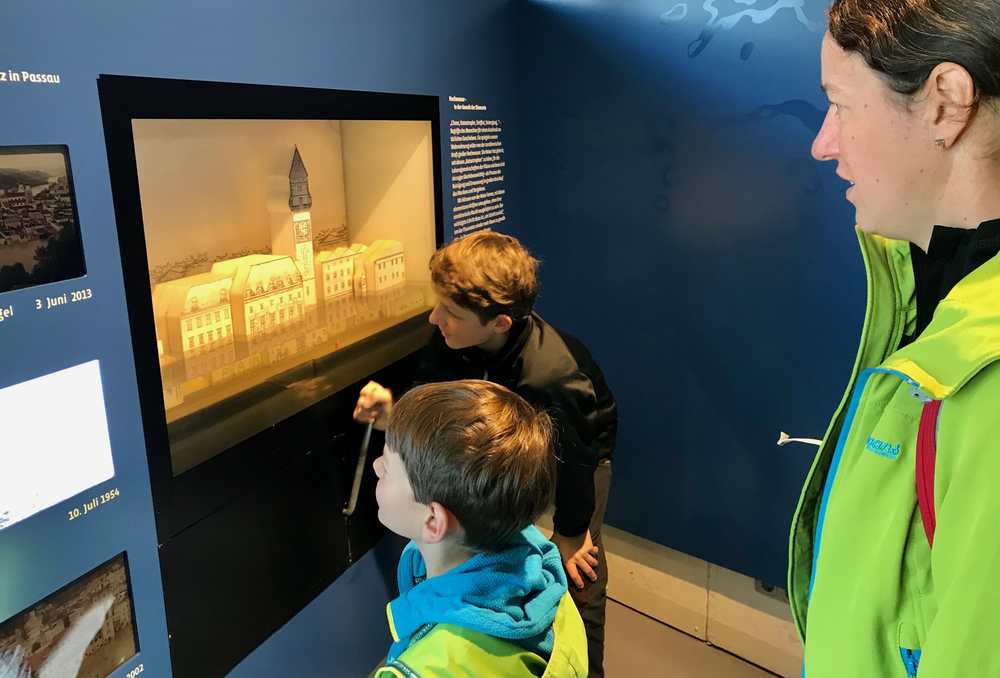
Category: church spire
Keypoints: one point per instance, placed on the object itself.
(299, 198)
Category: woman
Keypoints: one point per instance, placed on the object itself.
(886, 578)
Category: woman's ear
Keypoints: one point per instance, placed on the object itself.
(950, 101)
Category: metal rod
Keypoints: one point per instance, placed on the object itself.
(359, 472)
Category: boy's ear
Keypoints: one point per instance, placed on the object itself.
(502, 323)
(439, 523)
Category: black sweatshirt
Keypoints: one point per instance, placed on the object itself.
(555, 372)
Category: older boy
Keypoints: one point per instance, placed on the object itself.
(465, 471)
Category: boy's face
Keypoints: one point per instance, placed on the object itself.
(397, 508)
(461, 328)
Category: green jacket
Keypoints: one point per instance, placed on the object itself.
(448, 651)
(869, 596)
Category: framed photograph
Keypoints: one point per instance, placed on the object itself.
(37, 473)
(39, 226)
(86, 629)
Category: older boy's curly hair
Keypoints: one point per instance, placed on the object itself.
(481, 451)
(488, 273)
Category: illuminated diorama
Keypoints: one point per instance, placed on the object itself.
(271, 244)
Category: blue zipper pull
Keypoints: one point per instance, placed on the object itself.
(911, 660)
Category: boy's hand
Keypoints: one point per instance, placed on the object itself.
(374, 405)
(578, 556)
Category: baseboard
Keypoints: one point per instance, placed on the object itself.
(659, 582)
(752, 624)
(709, 602)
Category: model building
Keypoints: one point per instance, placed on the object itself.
(262, 308)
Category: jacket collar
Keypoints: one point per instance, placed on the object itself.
(518, 336)
(962, 337)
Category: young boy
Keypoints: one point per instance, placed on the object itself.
(467, 468)
(486, 285)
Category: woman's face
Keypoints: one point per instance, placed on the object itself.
(881, 145)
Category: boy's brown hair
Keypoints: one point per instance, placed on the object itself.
(481, 451)
(488, 273)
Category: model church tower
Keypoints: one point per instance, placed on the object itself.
(299, 199)
(291, 232)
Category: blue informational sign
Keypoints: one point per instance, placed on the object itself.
(78, 537)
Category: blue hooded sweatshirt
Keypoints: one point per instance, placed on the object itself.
(512, 594)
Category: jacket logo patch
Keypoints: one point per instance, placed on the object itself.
(883, 448)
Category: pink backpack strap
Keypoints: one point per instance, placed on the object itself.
(926, 457)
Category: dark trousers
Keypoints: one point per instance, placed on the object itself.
(592, 599)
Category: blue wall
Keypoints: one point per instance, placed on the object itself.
(448, 47)
(657, 161)
(689, 239)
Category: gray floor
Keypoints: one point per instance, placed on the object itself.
(636, 645)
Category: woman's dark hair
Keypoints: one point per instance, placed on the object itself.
(904, 40)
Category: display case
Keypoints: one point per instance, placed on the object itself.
(274, 244)
(271, 245)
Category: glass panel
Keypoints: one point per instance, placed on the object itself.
(244, 220)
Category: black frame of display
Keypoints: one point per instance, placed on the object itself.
(204, 506)
(125, 98)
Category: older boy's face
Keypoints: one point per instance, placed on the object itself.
(460, 327)
(397, 508)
